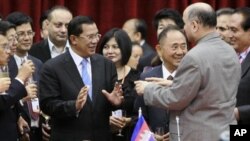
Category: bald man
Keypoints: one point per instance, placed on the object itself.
(203, 93)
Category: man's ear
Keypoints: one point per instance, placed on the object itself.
(73, 39)
(158, 50)
(195, 26)
(137, 36)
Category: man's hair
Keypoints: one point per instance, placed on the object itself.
(75, 25)
(167, 13)
(169, 28)
(245, 11)
(206, 17)
(43, 17)
(141, 26)
(5, 26)
(123, 41)
(19, 18)
(224, 11)
(58, 7)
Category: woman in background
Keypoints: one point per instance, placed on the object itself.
(116, 46)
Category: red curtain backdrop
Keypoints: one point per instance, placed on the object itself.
(109, 13)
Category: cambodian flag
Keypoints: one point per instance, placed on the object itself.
(142, 131)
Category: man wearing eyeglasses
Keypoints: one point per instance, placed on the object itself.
(75, 87)
(14, 88)
(57, 43)
(25, 36)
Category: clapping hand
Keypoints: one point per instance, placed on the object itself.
(81, 98)
(116, 96)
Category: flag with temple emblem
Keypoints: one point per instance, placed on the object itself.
(142, 131)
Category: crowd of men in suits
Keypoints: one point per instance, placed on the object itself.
(206, 86)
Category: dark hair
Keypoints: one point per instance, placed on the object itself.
(43, 17)
(245, 11)
(168, 29)
(123, 41)
(141, 26)
(75, 25)
(5, 26)
(224, 11)
(168, 14)
(204, 16)
(56, 8)
(19, 18)
(135, 44)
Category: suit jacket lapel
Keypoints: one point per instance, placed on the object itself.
(72, 71)
(46, 50)
(245, 66)
(95, 74)
(13, 69)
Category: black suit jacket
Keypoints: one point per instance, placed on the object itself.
(60, 83)
(243, 95)
(155, 117)
(8, 118)
(23, 110)
(41, 50)
(148, 55)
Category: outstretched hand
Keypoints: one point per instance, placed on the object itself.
(140, 86)
(116, 96)
(159, 81)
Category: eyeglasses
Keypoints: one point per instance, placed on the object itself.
(12, 38)
(5, 47)
(91, 37)
(21, 35)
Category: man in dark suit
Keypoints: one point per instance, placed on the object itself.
(171, 57)
(56, 44)
(25, 36)
(15, 90)
(239, 37)
(79, 107)
(137, 31)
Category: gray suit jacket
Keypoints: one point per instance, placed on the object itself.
(203, 91)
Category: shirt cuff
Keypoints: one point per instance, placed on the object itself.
(19, 80)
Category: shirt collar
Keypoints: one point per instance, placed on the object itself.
(166, 73)
(51, 45)
(20, 59)
(77, 59)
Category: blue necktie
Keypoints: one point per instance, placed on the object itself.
(86, 78)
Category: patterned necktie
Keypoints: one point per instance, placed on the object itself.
(86, 78)
(170, 77)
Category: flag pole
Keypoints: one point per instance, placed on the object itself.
(178, 128)
(139, 112)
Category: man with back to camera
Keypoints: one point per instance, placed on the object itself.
(206, 81)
